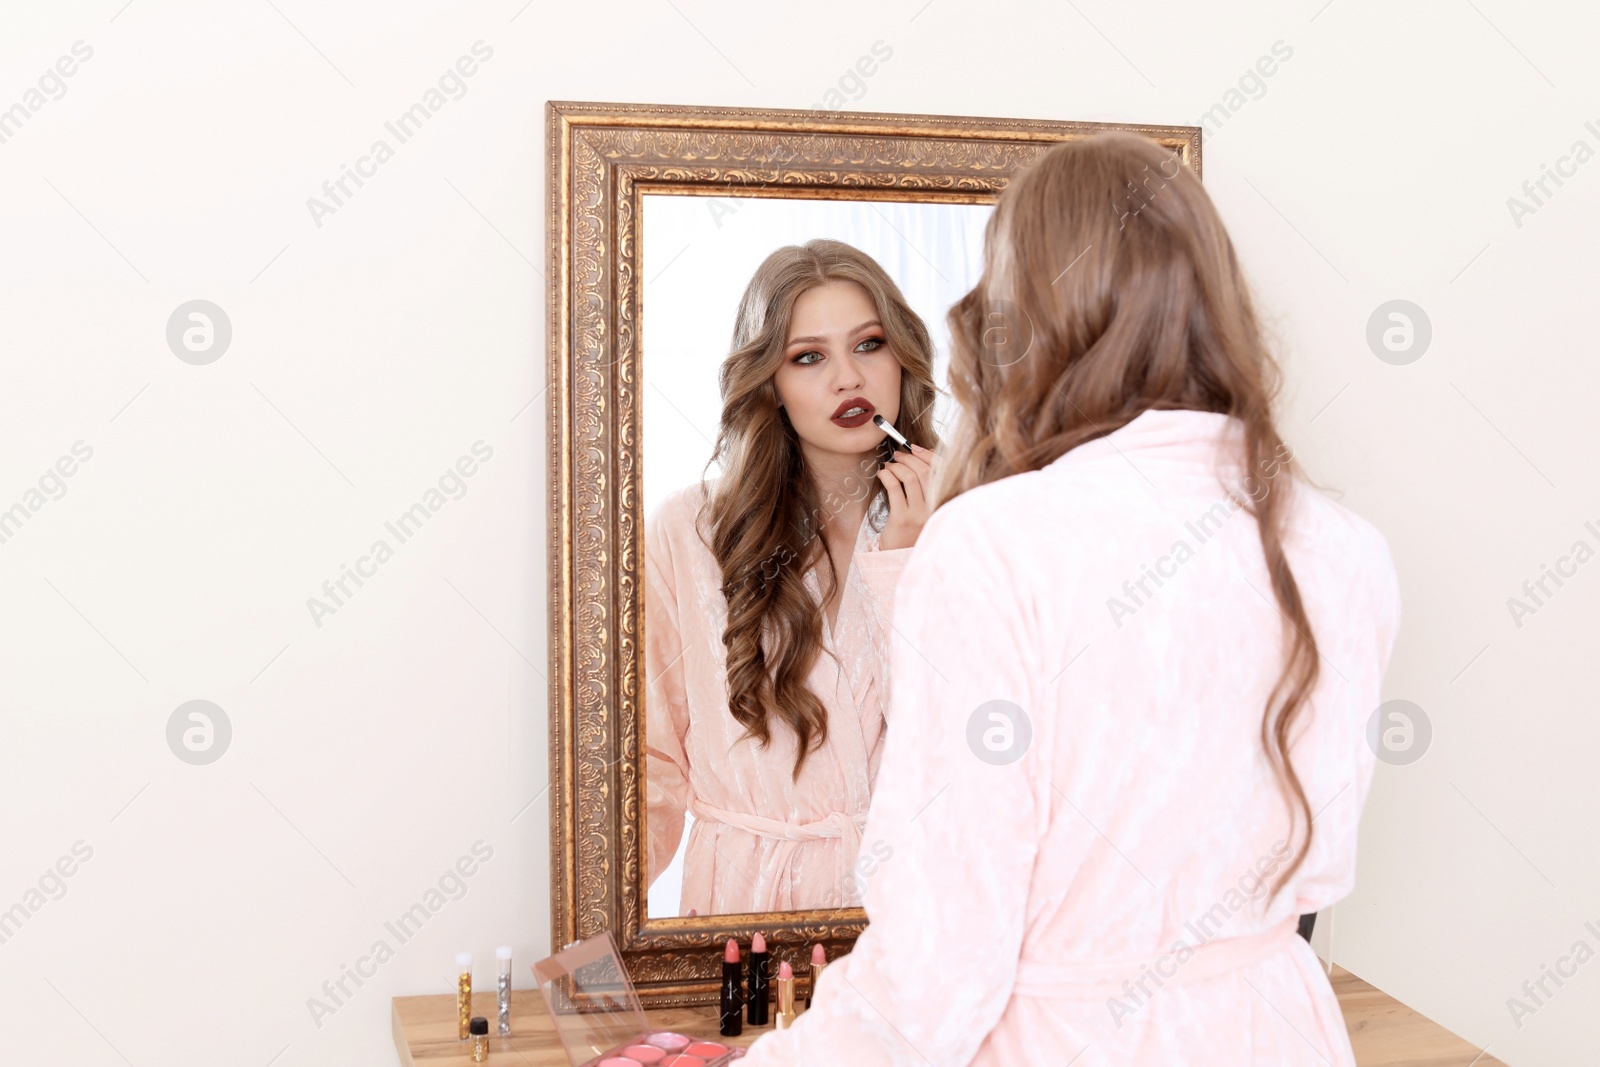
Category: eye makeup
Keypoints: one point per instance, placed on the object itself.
(879, 344)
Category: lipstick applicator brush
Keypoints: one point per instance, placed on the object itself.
(888, 427)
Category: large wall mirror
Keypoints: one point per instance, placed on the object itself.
(658, 219)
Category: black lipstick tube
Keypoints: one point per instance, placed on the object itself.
(732, 1015)
(758, 988)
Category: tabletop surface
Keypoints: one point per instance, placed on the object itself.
(1383, 1031)
(425, 1032)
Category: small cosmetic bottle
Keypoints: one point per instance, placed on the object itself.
(758, 982)
(786, 1012)
(819, 960)
(480, 1039)
(732, 1020)
(464, 995)
(503, 989)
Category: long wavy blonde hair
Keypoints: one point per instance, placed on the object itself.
(1109, 288)
(765, 515)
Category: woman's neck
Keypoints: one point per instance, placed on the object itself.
(844, 484)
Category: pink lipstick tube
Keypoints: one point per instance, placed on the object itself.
(732, 1020)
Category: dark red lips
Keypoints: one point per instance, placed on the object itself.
(867, 411)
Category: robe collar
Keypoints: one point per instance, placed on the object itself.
(1172, 433)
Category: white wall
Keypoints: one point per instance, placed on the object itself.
(369, 753)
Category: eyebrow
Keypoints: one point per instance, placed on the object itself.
(819, 340)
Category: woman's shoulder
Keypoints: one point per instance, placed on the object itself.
(685, 496)
(987, 512)
(1342, 539)
(675, 513)
(1318, 517)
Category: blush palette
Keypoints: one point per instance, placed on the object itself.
(599, 1019)
(666, 1049)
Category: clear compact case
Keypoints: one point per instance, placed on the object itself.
(599, 1019)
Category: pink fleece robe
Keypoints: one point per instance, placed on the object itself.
(1090, 890)
(760, 840)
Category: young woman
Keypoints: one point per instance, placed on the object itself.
(1139, 655)
(768, 591)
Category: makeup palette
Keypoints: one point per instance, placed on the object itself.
(668, 1041)
(599, 1019)
(634, 1055)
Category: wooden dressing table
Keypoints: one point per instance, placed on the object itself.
(1383, 1031)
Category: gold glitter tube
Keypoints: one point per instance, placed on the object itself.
(464, 995)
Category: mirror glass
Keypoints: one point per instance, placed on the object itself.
(722, 815)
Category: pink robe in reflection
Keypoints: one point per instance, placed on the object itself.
(760, 841)
(1099, 901)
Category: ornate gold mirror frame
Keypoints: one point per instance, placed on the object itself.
(602, 159)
